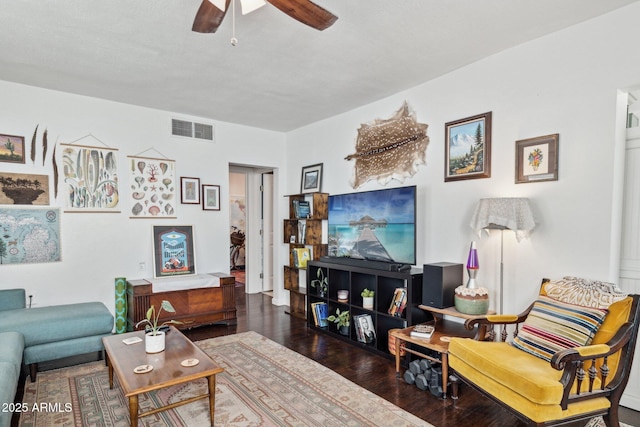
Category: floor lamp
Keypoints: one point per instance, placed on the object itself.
(504, 213)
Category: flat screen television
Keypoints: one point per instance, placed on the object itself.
(378, 225)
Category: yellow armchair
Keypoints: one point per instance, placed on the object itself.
(577, 382)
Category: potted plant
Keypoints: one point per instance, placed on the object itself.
(367, 299)
(154, 338)
(321, 283)
(341, 319)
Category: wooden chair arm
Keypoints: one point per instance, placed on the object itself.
(594, 351)
(571, 362)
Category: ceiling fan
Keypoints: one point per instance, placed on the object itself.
(212, 12)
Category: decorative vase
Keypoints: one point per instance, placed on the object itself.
(154, 343)
(367, 302)
(472, 301)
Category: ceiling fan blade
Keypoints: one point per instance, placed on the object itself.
(306, 12)
(209, 17)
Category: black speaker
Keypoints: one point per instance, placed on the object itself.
(439, 282)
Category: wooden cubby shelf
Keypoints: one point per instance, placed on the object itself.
(355, 279)
(313, 239)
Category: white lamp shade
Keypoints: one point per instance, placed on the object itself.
(512, 213)
(248, 6)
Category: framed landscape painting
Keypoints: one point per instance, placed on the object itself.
(311, 181)
(11, 148)
(468, 149)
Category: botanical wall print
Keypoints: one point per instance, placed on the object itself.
(389, 148)
(468, 148)
(537, 159)
(24, 189)
(90, 178)
(189, 190)
(173, 253)
(11, 148)
(153, 187)
(210, 197)
(29, 235)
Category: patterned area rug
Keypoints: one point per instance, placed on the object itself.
(264, 384)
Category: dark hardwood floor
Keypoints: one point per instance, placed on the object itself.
(373, 372)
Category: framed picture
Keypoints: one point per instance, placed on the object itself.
(189, 190)
(468, 150)
(24, 189)
(311, 178)
(210, 197)
(173, 253)
(537, 159)
(154, 189)
(11, 149)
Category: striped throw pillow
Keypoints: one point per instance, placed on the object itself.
(552, 326)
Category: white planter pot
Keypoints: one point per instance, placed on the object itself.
(154, 343)
(367, 302)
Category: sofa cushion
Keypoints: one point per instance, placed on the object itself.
(584, 292)
(11, 347)
(531, 377)
(553, 325)
(57, 323)
(11, 299)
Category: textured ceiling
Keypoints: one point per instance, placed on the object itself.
(282, 75)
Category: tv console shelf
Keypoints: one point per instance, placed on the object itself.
(354, 279)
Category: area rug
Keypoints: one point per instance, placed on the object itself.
(264, 384)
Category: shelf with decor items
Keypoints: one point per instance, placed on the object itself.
(305, 233)
(386, 285)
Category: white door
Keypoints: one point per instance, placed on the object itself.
(267, 231)
(630, 249)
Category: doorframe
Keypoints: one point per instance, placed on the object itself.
(253, 242)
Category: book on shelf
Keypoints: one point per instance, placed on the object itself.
(398, 302)
(320, 314)
(302, 209)
(302, 232)
(365, 330)
(300, 257)
(422, 331)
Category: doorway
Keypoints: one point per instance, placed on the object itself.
(251, 227)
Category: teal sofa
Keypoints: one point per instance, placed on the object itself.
(32, 335)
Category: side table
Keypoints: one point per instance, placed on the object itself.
(439, 341)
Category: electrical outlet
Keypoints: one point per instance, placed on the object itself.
(142, 266)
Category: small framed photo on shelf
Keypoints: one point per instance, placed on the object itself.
(189, 191)
(210, 197)
(468, 149)
(537, 159)
(12, 149)
(311, 181)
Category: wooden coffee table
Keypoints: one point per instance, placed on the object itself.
(167, 371)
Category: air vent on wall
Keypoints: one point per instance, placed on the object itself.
(191, 129)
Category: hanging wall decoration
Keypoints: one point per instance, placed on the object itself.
(153, 187)
(24, 189)
(389, 149)
(90, 176)
(30, 235)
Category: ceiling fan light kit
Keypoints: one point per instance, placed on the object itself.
(212, 12)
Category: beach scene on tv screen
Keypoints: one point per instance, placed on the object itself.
(374, 225)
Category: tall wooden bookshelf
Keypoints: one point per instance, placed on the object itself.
(304, 233)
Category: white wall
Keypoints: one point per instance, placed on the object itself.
(97, 247)
(564, 83)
